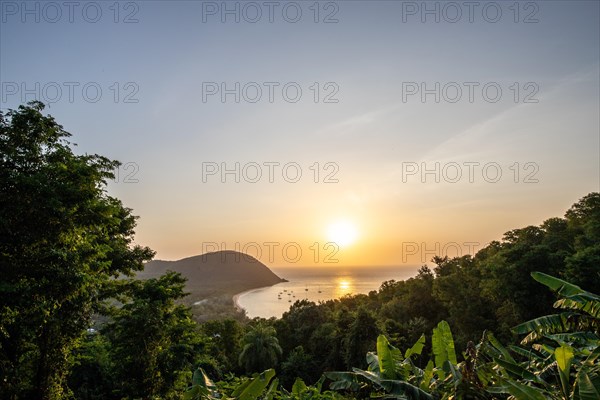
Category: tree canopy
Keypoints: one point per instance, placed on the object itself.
(63, 240)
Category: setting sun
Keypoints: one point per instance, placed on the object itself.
(343, 233)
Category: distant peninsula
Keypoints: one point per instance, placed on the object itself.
(216, 275)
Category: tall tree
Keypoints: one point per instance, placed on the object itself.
(583, 219)
(154, 343)
(261, 349)
(360, 337)
(62, 241)
(226, 336)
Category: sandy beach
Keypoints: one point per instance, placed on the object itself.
(236, 297)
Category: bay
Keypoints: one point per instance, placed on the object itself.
(316, 284)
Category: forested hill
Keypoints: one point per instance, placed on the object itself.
(210, 274)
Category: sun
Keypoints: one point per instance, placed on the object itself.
(343, 233)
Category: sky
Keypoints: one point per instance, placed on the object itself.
(321, 133)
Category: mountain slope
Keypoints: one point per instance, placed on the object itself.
(215, 274)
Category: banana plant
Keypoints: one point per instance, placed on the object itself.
(562, 362)
(395, 374)
(300, 391)
(580, 318)
(203, 388)
(389, 372)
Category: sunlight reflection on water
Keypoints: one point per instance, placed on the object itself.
(317, 285)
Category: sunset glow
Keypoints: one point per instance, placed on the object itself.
(343, 233)
(298, 145)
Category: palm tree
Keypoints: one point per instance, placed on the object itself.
(261, 349)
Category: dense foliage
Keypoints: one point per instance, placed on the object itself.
(490, 291)
(73, 324)
(63, 240)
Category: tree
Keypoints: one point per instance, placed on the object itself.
(62, 241)
(154, 342)
(302, 319)
(456, 287)
(360, 337)
(261, 349)
(91, 376)
(226, 336)
(583, 219)
(298, 365)
(561, 362)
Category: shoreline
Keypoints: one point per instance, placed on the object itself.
(236, 297)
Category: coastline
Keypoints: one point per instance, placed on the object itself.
(236, 297)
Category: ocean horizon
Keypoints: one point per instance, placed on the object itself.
(317, 284)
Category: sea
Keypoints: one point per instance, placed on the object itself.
(316, 284)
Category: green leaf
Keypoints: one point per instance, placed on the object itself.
(417, 348)
(272, 389)
(298, 387)
(253, 388)
(443, 344)
(387, 355)
(564, 357)
(499, 347)
(370, 376)
(585, 387)
(200, 378)
(192, 394)
(372, 361)
(556, 284)
(548, 324)
(583, 303)
(342, 380)
(517, 371)
(520, 391)
(563, 288)
(454, 372)
(527, 353)
(427, 376)
(405, 389)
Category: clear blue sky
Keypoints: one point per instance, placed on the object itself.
(375, 61)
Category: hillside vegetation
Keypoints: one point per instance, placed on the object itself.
(517, 320)
(212, 279)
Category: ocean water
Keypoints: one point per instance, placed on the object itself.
(317, 284)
